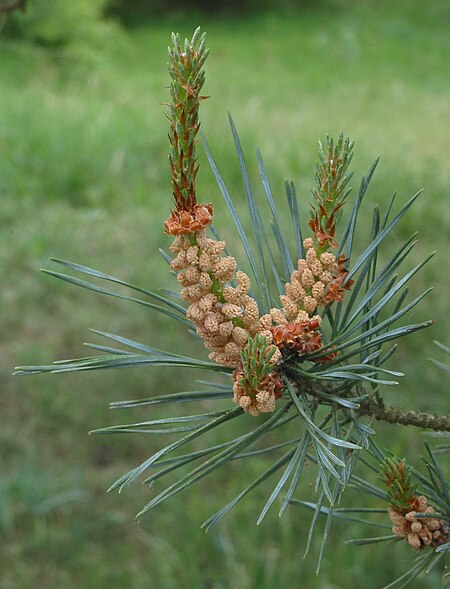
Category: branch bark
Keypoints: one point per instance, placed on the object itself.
(406, 417)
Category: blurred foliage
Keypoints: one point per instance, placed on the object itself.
(58, 23)
(134, 10)
(80, 28)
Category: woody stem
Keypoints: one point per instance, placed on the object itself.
(406, 417)
(377, 409)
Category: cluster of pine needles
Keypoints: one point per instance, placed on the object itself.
(303, 337)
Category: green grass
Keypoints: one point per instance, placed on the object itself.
(83, 177)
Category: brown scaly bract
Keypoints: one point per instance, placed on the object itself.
(183, 222)
(301, 336)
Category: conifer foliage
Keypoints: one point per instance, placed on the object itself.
(304, 337)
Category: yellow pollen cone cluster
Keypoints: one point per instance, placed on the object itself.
(225, 316)
(306, 290)
(260, 400)
(418, 532)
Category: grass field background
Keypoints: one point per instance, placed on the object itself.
(83, 177)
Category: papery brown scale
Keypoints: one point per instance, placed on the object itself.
(336, 290)
(184, 180)
(341, 261)
(314, 224)
(183, 221)
(279, 386)
(334, 294)
(301, 336)
(177, 196)
(323, 237)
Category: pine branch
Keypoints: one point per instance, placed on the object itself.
(406, 417)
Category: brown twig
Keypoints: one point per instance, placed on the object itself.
(375, 409)
(406, 417)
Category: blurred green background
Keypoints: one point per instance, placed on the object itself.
(83, 177)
